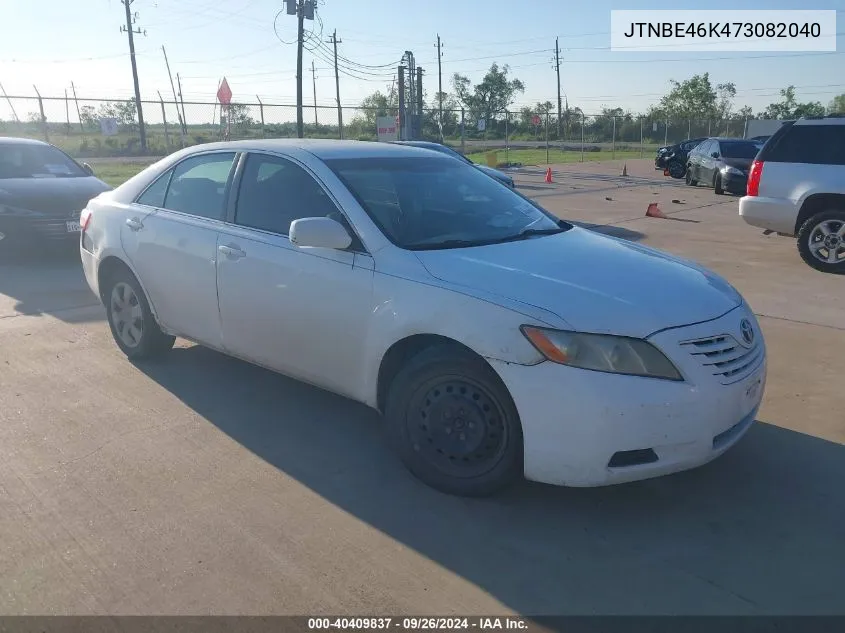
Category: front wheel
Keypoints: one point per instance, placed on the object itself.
(821, 241)
(688, 177)
(677, 169)
(717, 185)
(130, 319)
(453, 423)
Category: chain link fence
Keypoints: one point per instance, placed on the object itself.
(106, 128)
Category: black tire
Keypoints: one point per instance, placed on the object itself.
(676, 169)
(454, 424)
(806, 238)
(689, 179)
(151, 342)
(717, 185)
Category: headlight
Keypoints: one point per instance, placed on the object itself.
(732, 170)
(602, 352)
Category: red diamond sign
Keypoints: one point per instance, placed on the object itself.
(224, 93)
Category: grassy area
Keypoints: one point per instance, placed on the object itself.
(555, 156)
(115, 173)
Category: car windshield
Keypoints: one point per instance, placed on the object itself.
(36, 161)
(428, 203)
(740, 150)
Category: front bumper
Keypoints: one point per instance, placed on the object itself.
(20, 229)
(734, 183)
(585, 428)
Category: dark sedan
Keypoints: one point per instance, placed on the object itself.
(42, 192)
(722, 163)
(444, 149)
(677, 152)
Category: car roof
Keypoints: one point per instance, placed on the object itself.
(13, 140)
(322, 148)
(729, 139)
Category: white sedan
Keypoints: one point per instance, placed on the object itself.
(497, 340)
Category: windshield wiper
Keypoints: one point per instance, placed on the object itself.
(449, 244)
(528, 232)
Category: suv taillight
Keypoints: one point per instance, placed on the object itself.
(84, 219)
(753, 188)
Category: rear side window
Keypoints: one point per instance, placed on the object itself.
(811, 144)
(198, 185)
(153, 196)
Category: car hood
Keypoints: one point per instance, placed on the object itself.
(740, 163)
(494, 172)
(593, 282)
(51, 196)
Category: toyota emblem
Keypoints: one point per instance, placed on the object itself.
(747, 331)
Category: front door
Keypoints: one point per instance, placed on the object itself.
(304, 312)
(170, 237)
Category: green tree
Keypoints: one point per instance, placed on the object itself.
(490, 98)
(696, 98)
(789, 107)
(239, 114)
(837, 105)
(88, 116)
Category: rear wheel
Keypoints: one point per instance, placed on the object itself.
(821, 241)
(131, 321)
(453, 423)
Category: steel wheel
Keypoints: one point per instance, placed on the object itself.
(457, 427)
(826, 241)
(127, 315)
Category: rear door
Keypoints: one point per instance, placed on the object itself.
(170, 237)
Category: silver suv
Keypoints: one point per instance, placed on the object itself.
(796, 187)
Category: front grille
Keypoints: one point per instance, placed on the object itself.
(725, 357)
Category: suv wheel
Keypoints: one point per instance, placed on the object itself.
(821, 241)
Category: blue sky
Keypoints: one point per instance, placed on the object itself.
(53, 42)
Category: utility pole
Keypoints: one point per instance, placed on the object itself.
(130, 20)
(440, 86)
(557, 69)
(336, 41)
(314, 80)
(11, 107)
(303, 10)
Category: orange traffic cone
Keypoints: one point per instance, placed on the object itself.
(625, 169)
(549, 176)
(666, 172)
(654, 211)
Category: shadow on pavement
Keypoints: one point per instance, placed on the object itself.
(760, 530)
(612, 230)
(46, 280)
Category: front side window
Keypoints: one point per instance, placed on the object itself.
(274, 192)
(435, 202)
(198, 185)
(25, 160)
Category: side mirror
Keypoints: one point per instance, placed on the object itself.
(88, 169)
(715, 154)
(319, 233)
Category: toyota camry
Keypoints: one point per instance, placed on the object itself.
(497, 340)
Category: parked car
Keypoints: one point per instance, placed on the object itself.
(674, 157)
(722, 163)
(497, 340)
(445, 149)
(42, 192)
(796, 188)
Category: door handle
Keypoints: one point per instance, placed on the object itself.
(135, 224)
(232, 252)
